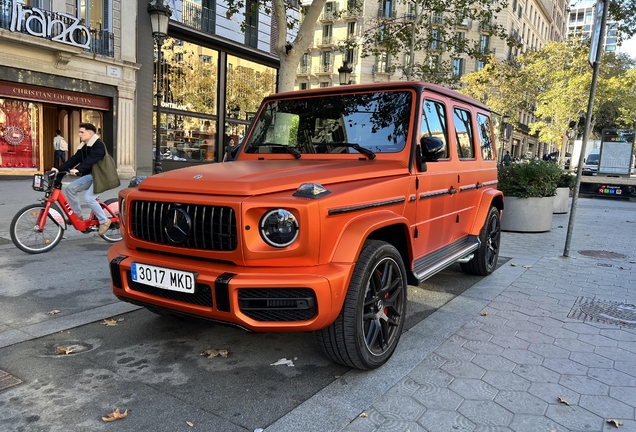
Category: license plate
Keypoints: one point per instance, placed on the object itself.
(165, 278)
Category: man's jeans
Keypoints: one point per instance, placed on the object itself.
(59, 154)
(84, 183)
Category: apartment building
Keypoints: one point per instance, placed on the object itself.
(532, 22)
(581, 23)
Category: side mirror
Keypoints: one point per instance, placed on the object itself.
(432, 148)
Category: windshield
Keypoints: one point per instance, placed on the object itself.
(377, 121)
(592, 159)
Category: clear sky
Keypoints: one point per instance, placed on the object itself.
(629, 47)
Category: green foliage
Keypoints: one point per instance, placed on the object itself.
(566, 180)
(533, 179)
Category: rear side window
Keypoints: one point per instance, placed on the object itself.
(485, 137)
(434, 123)
(464, 134)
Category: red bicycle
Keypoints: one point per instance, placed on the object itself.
(38, 228)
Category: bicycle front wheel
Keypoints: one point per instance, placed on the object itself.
(113, 235)
(26, 234)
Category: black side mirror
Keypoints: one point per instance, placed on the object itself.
(432, 148)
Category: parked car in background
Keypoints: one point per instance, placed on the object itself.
(336, 200)
(591, 163)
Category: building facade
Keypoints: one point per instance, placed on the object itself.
(214, 77)
(532, 22)
(581, 23)
(65, 62)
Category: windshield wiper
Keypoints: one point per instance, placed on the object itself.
(289, 149)
(365, 151)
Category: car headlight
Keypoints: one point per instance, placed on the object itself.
(279, 228)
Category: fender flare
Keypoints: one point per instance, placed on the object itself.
(358, 229)
(488, 198)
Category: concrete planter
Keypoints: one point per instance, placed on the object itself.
(527, 214)
(561, 201)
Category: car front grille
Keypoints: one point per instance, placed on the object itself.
(278, 304)
(202, 295)
(210, 227)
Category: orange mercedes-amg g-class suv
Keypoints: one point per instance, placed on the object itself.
(336, 200)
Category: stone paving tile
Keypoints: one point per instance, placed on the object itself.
(625, 394)
(509, 341)
(574, 345)
(506, 381)
(580, 328)
(399, 407)
(549, 350)
(473, 389)
(534, 337)
(628, 367)
(559, 332)
(591, 360)
(522, 356)
(367, 423)
(494, 363)
(522, 325)
(463, 369)
(428, 375)
(619, 335)
(612, 377)
(534, 423)
(629, 346)
(473, 334)
(575, 418)
(486, 428)
(400, 426)
(565, 366)
(440, 420)
(607, 407)
(521, 403)
(406, 387)
(550, 392)
(598, 340)
(536, 373)
(584, 385)
(546, 322)
(480, 347)
(485, 412)
(436, 397)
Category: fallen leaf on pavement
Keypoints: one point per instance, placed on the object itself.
(66, 350)
(363, 414)
(112, 322)
(563, 401)
(53, 312)
(484, 313)
(629, 221)
(115, 415)
(211, 353)
(633, 262)
(190, 423)
(283, 361)
(336, 376)
(513, 265)
(527, 266)
(625, 268)
(615, 422)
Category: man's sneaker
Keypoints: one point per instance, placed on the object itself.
(103, 227)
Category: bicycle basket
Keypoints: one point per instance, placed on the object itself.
(40, 182)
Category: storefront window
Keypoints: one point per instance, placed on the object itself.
(19, 135)
(94, 117)
(189, 77)
(247, 84)
(186, 138)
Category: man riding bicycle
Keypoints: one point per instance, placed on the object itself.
(90, 151)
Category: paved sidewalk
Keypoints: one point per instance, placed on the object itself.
(515, 352)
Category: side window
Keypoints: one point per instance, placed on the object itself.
(464, 134)
(434, 123)
(485, 137)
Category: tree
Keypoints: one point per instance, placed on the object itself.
(432, 35)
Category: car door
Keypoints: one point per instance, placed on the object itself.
(437, 186)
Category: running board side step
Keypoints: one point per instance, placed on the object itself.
(459, 251)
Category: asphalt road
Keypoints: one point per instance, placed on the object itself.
(148, 364)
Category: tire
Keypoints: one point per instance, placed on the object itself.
(369, 326)
(27, 238)
(113, 235)
(485, 260)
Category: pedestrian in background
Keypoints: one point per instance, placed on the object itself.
(61, 147)
(507, 159)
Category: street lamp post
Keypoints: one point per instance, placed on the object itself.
(344, 73)
(159, 17)
(504, 123)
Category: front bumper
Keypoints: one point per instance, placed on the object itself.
(256, 298)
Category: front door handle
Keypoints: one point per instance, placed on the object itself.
(452, 190)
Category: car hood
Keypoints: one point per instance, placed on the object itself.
(249, 178)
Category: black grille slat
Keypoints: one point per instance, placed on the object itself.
(202, 295)
(213, 227)
(277, 301)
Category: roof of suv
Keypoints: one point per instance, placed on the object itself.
(396, 85)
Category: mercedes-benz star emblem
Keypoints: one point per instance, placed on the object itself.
(177, 225)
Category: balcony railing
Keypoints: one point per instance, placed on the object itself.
(199, 17)
(101, 41)
(324, 69)
(304, 70)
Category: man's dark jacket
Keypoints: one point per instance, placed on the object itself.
(87, 155)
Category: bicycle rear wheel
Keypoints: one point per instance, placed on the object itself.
(113, 235)
(26, 235)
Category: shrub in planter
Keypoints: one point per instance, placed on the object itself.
(566, 180)
(533, 179)
(529, 189)
(564, 186)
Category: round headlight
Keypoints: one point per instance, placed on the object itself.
(279, 228)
